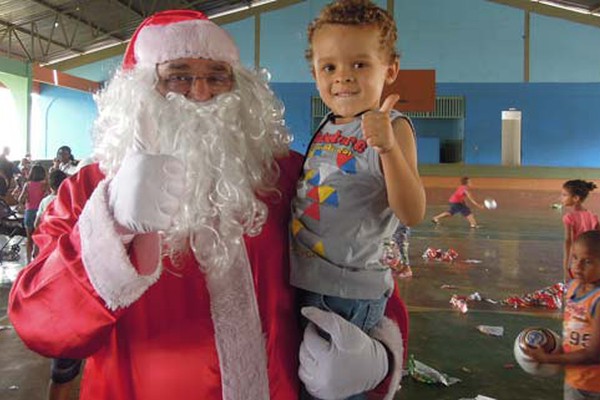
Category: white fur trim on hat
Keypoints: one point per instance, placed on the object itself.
(188, 39)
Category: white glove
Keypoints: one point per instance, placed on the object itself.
(145, 193)
(350, 363)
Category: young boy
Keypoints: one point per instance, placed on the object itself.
(360, 175)
(458, 204)
(54, 180)
(581, 323)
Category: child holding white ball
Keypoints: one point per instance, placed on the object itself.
(581, 323)
(458, 204)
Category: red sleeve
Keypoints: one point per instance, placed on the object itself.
(52, 304)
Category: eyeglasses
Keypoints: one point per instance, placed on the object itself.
(182, 84)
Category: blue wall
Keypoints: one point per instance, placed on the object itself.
(560, 122)
(477, 49)
(65, 118)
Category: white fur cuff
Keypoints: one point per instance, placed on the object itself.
(104, 256)
(388, 333)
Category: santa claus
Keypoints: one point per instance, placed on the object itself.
(165, 264)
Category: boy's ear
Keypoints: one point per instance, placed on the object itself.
(392, 72)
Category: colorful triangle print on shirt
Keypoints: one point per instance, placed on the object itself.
(313, 211)
(323, 195)
(296, 226)
(347, 163)
(313, 177)
(319, 249)
(313, 194)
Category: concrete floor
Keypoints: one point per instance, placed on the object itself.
(520, 249)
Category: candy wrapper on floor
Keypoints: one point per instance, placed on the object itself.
(433, 254)
(460, 303)
(497, 331)
(424, 373)
(549, 297)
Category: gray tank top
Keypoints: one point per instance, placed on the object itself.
(341, 220)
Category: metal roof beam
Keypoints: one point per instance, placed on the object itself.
(129, 7)
(94, 27)
(119, 49)
(250, 12)
(550, 11)
(8, 25)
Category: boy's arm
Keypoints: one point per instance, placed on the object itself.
(472, 200)
(23, 196)
(589, 355)
(395, 143)
(567, 250)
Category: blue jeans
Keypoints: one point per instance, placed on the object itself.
(364, 313)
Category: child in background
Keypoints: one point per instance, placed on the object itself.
(402, 269)
(581, 323)
(32, 194)
(360, 175)
(578, 220)
(459, 205)
(65, 161)
(54, 180)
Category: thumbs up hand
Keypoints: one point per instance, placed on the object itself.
(350, 362)
(377, 126)
(147, 189)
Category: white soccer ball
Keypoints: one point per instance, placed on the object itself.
(490, 204)
(537, 337)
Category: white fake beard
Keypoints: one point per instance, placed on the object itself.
(228, 146)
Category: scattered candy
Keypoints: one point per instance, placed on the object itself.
(460, 303)
(549, 297)
(474, 296)
(489, 330)
(444, 286)
(434, 254)
(424, 373)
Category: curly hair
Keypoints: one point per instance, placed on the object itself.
(358, 13)
(580, 188)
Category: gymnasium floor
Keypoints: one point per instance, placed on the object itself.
(520, 249)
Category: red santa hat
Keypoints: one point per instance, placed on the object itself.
(173, 34)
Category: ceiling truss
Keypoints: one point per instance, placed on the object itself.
(52, 31)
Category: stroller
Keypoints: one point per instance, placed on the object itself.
(11, 225)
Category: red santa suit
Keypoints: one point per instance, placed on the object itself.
(152, 337)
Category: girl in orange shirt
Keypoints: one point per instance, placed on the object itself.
(581, 323)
